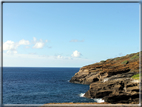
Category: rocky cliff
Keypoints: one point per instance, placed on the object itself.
(112, 79)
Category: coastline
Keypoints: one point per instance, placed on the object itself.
(88, 105)
(114, 80)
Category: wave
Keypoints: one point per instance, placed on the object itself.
(99, 100)
(81, 94)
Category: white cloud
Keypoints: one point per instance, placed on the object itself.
(76, 54)
(59, 57)
(11, 47)
(24, 42)
(38, 45)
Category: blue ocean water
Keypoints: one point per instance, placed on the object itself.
(29, 85)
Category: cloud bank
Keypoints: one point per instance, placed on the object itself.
(35, 60)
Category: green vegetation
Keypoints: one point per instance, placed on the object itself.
(135, 56)
(117, 58)
(125, 62)
(136, 76)
(111, 59)
(103, 61)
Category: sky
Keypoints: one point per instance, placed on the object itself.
(68, 34)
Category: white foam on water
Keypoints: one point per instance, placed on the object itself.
(99, 100)
(82, 94)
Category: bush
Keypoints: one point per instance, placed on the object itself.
(111, 59)
(135, 56)
(136, 76)
(117, 58)
(103, 61)
(125, 62)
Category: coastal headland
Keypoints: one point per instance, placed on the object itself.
(114, 80)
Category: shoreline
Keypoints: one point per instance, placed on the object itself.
(88, 105)
(113, 79)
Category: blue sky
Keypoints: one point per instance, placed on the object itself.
(68, 34)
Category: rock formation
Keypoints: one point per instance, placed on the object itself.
(112, 79)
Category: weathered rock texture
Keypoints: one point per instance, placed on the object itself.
(111, 79)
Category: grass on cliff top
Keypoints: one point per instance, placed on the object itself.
(135, 56)
(126, 59)
(125, 62)
(118, 58)
(137, 76)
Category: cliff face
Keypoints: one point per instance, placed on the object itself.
(111, 79)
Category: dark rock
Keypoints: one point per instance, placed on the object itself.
(123, 90)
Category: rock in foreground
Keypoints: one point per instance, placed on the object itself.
(111, 79)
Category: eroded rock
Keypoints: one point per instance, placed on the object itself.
(112, 91)
(111, 79)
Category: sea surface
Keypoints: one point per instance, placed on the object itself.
(32, 85)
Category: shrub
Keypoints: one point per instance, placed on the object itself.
(125, 62)
(135, 56)
(103, 61)
(111, 59)
(117, 58)
(136, 76)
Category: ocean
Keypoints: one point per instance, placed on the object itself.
(41, 85)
